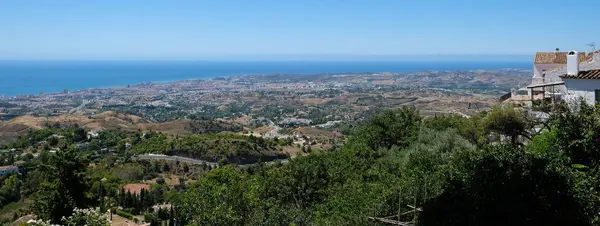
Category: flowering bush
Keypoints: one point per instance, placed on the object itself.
(87, 217)
(39, 223)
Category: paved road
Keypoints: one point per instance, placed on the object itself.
(79, 107)
(193, 161)
(177, 158)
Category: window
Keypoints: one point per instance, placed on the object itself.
(597, 96)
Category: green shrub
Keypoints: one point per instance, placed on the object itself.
(124, 214)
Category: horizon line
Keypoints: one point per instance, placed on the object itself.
(291, 57)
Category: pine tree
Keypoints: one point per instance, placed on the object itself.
(136, 203)
(129, 199)
(148, 199)
(102, 194)
(64, 187)
(122, 197)
(142, 199)
(171, 217)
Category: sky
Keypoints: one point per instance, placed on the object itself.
(227, 29)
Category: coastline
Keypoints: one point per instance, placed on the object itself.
(53, 78)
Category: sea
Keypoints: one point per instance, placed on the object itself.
(35, 77)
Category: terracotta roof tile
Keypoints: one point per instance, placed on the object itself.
(590, 74)
(558, 57)
(136, 188)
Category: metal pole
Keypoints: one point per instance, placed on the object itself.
(101, 197)
(415, 204)
(399, 200)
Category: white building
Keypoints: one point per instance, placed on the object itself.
(549, 61)
(93, 134)
(549, 77)
(581, 83)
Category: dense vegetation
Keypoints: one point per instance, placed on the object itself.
(449, 166)
(503, 167)
(214, 147)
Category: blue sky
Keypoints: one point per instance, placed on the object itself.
(216, 29)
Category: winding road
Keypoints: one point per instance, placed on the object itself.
(193, 161)
(177, 158)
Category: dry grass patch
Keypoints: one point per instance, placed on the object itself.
(313, 132)
(317, 100)
(171, 179)
(262, 130)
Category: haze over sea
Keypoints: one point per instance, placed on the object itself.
(33, 77)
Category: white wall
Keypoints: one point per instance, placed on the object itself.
(539, 68)
(583, 88)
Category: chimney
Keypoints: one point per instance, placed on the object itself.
(572, 63)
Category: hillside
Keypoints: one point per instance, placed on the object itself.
(227, 147)
(393, 158)
(11, 129)
(105, 120)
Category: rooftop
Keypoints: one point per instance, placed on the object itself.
(558, 57)
(589, 74)
(553, 75)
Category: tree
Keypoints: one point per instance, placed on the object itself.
(157, 192)
(166, 167)
(508, 121)
(578, 133)
(223, 197)
(502, 186)
(52, 203)
(391, 128)
(148, 218)
(53, 141)
(469, 128)
(142, 204)
(186, 167)
(10, 190)
(79, 135)
(171, 217)
(64, 187)
(160, 181)
(444, 122)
